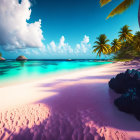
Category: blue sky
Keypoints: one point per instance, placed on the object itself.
(59, 28)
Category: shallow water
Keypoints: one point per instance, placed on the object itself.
(11, 70)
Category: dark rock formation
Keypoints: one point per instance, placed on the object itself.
(128, 84)
(123, 81)
(21, 58)
(129, 103)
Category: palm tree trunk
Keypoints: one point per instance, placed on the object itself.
(139, 14)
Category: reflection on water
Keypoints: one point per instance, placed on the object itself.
(22, 63)
(25, 69)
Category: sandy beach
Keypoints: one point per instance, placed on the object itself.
(77, 105)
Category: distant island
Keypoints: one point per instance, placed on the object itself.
(21, 58)
(1, 58)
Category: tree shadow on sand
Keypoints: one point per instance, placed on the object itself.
(81, 110)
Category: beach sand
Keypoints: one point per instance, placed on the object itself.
(77, 105)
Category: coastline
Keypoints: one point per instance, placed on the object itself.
(78, 103)
(51, 75)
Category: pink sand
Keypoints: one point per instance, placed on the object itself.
(73, 106)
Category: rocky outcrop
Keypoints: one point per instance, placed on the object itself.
(130, 102)
(123, 81)
(21, 58)
(127, 84)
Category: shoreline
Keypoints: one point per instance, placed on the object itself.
(74, 105)
(51, 75)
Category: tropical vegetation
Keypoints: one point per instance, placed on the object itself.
(125, 34)
(101, 45)
(0, 54)
(126, 46)
(116, 45)
(120, 8)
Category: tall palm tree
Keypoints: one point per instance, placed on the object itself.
(136, 41)
(116, 45)
(120, 8)
(0, 54)
(125, 34)
(101, 46)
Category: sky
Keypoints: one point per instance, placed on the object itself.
(59, 29)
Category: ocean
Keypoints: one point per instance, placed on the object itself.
(12, 70)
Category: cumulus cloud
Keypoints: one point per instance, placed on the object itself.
(62, 42)
(60, 48)
(36, 52)
(27, 52)
(85, 40)
(65, 48)
(15, 31)
(83, 47)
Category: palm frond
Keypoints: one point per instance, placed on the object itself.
(96, 49)
(104, 2)
(107, 40)
(97, 42)
(121, 8)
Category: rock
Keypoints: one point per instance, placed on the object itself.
(21, 58)
(128, 84)
(129, 103)
(2, 59)
(124, 103)
(123, 81)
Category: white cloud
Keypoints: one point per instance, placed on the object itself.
(85, 40)
(62, 42)
(70, 49)
(65, 48)
(36, 52)
(15, 31)
(62, 47)
(84, 46)
(53, 46)
(43, 49)
(27, 52)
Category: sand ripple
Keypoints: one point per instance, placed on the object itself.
(19, 119)
(36, 122)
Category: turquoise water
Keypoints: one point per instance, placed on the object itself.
(12, 70)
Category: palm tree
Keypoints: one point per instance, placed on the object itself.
(125, 34)
(0, 54)
(136, 41)
(116, 45)
(120, 8)
(101, 46)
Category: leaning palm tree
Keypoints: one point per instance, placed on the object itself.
(136, 41)
(116, 45)
(101, 46)
(125, 34)
(120, 8)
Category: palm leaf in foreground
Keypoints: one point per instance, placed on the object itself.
(121, 8)
(104, 2)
